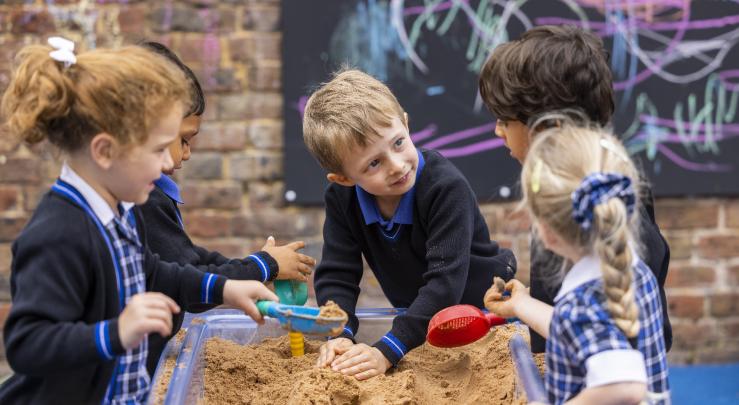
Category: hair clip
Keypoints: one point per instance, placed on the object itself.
(63, 51)
(536, 177)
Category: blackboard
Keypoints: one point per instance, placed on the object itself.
(675, 64)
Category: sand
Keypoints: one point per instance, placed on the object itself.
(482, 372)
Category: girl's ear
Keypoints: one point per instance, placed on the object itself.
(340, 179)
(103, 150)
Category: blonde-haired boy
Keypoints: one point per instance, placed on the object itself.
(409, 212)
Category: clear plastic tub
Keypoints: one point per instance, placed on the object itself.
(186, 383)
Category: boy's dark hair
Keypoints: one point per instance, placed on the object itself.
(549, 68)
(197, 104)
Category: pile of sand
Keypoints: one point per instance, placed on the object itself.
(482, 372)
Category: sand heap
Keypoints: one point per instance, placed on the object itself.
(482, 372)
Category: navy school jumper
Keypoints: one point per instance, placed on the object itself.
(64, 285)
(443, 256)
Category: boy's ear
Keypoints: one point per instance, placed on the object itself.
(405, 119)
(340, 179)
(104, 149)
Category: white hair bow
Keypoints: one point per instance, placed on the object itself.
(63, 51)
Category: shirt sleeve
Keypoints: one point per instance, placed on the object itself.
(601, 348)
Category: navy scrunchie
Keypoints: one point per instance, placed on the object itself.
(598, 188)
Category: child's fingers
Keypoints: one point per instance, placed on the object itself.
(347, 354)
(163, 315)
(163, 300)
(269, 243)
(363, 366)
(251, 310)
(367, 374)
(296, 245)
(154, 325)
(306, 259)
(264, 293)
(304, 269)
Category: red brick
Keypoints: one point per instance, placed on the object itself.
(203, 166)
(215, 79)
(514, 221)
(729, 328)
(261, 18)
(200, 49)
(11, 226)
(266, 134)
(720, 355)
(10, 197)
(686, 275)
(681, 244)
(5, 258)
(256, 46)
(212, 196)
(685, 306)
(241, 48)
(281, 224)
(249, 106)
(219, 136)
(732, 214)
(266, 75)
(733, 275)
(38, 22)
(719, 246)
(265, 195)
(230, 248)
(724, 304)
(691, 335)
(132, 19)
(204, 225)
(21, 170)
(261, 165)
(4, 310)
(687, 214)
(32, 195)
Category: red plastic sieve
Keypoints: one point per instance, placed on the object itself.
(460, 325)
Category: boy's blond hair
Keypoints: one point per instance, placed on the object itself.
(558, 161)
(344, 113)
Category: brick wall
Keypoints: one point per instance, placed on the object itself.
(233, 183)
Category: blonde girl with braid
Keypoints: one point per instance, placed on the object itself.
(604, 333)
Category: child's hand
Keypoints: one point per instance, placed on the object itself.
(328, 350)
(497, 304)
(146, 313)
(361, 361)
(243, 294)
(293, 265)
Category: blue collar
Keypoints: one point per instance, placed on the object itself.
(404, 212)
(169, 187)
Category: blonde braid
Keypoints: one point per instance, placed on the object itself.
(612, 246)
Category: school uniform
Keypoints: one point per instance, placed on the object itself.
(75, 266)
(433, 253)
(167, 238)
(547, 268)
(586, 349)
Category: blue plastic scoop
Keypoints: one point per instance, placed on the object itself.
(302, 319)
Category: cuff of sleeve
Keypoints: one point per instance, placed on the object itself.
(346, 333)
(614, 366)
(211, 289)
(267, 265)
(392, 348)
(107, 340)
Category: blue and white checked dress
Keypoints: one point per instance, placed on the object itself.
(585, 348)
